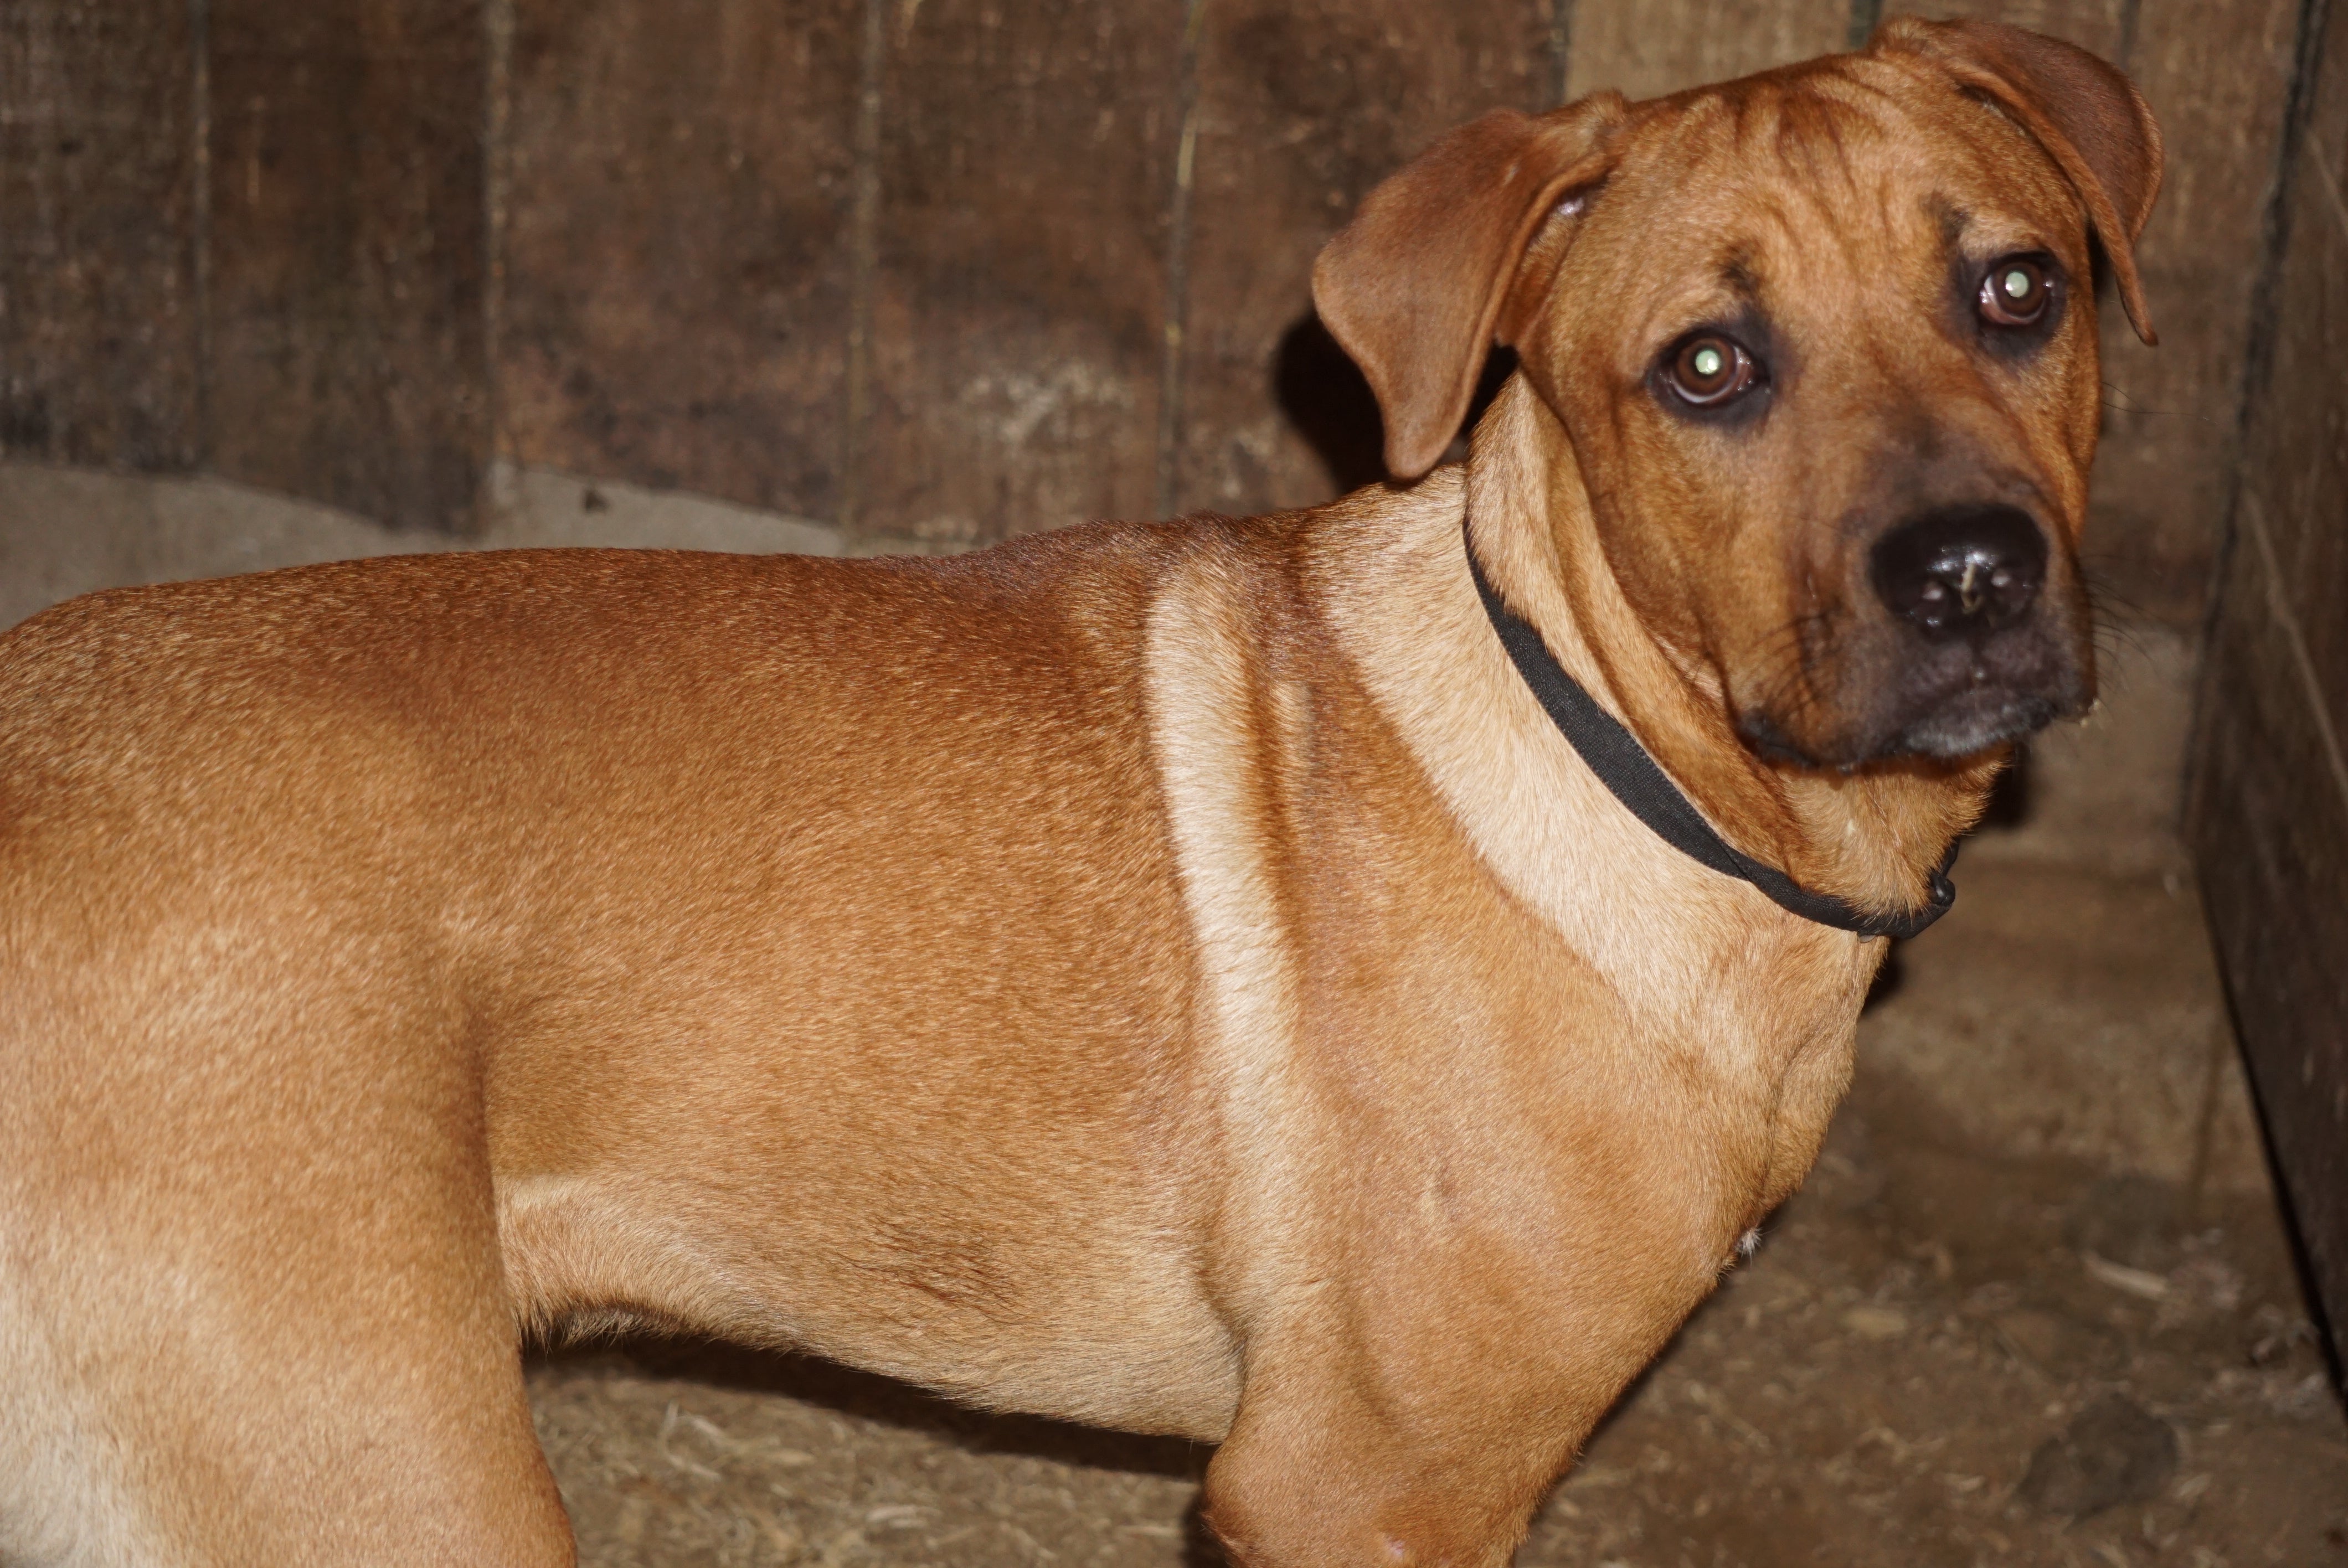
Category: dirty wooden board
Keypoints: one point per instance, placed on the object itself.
(1646, 48)
(347, 254)
(97, 186)
(2214, 72)
(1302, 110)
(2272, 796)
(2270, 830)
(2296, 458)
(675, 308)
(1027, 155)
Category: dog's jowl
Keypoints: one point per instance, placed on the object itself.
(1336, 985)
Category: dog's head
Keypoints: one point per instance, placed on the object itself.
(1823, 343)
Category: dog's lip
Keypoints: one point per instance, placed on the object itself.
(1904, 698)
(1994, 691)
(1767, 740)
(1962, 723)
(1972, 722)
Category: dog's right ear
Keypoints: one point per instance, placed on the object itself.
(1417, 286)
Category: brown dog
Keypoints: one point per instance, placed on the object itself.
(1177, 977)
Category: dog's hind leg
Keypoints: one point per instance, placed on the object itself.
(251, 1309)
(169, 1438)
(354, 1401)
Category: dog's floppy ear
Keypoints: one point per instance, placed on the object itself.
(1415, 287)
(2086, 114)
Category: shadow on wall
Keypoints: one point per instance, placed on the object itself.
(1323, 394)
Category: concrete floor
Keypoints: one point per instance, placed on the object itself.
(2035, 1306)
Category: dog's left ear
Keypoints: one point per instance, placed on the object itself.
(2086, 113)
(1418, 284)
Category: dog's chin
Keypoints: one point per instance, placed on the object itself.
(1959, 727)
(1970, 723)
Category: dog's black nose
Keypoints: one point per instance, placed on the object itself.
(1961, 569)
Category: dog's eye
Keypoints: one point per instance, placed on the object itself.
(2014, 293)
(1709, 369)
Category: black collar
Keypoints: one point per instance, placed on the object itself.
(1623, 766)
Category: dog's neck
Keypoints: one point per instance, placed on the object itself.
(1869, 836)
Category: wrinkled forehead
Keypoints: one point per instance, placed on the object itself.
(1855, 178)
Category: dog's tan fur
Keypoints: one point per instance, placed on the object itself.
(1173, 975)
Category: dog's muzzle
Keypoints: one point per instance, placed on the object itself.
(1986, 658)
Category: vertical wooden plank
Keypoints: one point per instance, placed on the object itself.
(674, 303)
(346, 259)
(98, 243)
(2270, 831)
(2270, 816)
(1303, 107)
(1025, 160)
(2296, 464)
(2216, 73)
(1647, 48)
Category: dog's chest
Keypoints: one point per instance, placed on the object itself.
(1441, 975)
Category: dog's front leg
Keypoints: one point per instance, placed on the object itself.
(1327, 1478)
(1425, 1440)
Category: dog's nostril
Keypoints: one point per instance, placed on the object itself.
(1961, 569)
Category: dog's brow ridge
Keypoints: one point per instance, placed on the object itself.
(1953, 219)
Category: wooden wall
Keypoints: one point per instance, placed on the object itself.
(938, 270)
(249, 236)
(100, 193)
(2269, 809)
